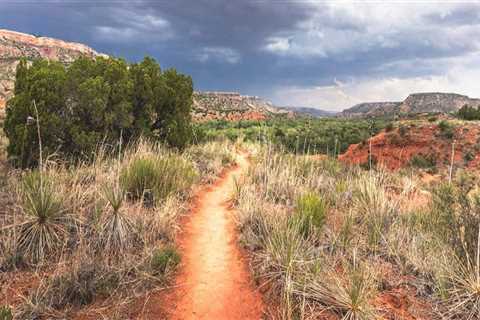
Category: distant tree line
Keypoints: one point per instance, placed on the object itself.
(303, 135)
(469, 113)
(92, 102)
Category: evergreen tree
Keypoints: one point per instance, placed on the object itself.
(93, 102)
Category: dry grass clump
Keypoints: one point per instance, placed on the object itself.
(211, 157)
(101, 229)
(153, 177)
(364, 222)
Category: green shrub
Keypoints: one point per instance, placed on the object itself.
(468, 156)
(45, 226)
(403, 131)
(310, 213)
(395, 139)
(432, 119)
(91, 102)
(423, 161)
(6, 313)
(446, 129)
(164, 259)
(152, 179)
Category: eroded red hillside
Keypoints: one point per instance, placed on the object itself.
(396, 148)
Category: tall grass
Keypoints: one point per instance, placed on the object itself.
(76, 226)
(152, 178)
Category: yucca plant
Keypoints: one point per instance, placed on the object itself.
(461, 287)
(116, 231)
(374, 208)
(310, 213)
(45, 228)
(6, 313)
(348, 295)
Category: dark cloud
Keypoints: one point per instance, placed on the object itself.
(224, 44)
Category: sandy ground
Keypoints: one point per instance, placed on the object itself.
(214, 282)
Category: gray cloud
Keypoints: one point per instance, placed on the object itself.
(260, 47)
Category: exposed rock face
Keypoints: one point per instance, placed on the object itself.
(16, 45)
(415, 103)
(232, 106)
(395, 150)
(436, 102)
(370, 109)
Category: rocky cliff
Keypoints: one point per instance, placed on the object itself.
(435, 102)
(15, 45)
(232, 106)
(415, 103)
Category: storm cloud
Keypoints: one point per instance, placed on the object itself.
(306, 53)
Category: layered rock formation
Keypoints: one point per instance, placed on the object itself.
(16, 45)
(415, 103)
(232, 106)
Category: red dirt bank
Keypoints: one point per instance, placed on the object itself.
(394, 150)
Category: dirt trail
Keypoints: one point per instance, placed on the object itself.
(214, 282)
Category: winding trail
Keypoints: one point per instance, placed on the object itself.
(214, 282)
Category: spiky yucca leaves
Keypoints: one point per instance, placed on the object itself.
(116, 230)
(45, 227)
(286, 253)
(460, 285)
(310, 213)
(374, 208)
(347, 293)
(6, 313)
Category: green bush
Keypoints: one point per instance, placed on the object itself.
(446, 129)
(468, 156)
(153, 178)
(6, 313)
(91, 102)
(423, 161)
(310, 213)
(469, 113)
(403, 131)
(164, 259)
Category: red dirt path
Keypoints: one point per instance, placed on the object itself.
(213, 282)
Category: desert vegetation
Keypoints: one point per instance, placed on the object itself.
(100, 231)
(301, 135)
(94, 102)
(337, 242)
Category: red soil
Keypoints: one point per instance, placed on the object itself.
(393, 151)
(213, 282)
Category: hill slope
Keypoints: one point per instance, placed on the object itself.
(415, 103)
(232, 106)
(426, 143)
(16, 45)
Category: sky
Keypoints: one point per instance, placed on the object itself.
(322, 54)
